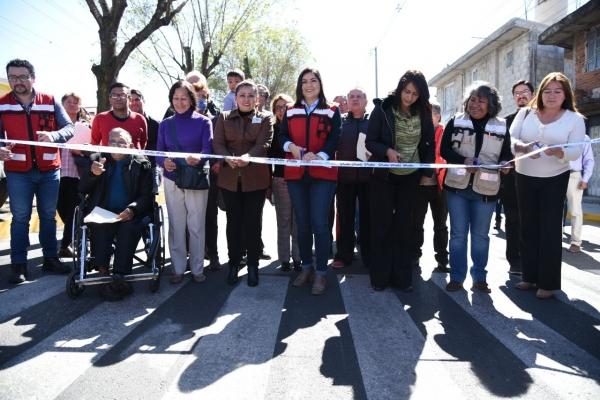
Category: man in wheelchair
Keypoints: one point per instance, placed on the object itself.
(120, 183)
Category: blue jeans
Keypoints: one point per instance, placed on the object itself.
(22, 186)
(469, 213)
(312, 201)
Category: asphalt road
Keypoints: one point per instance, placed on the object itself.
(213, 341)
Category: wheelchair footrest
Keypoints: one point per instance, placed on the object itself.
(107, 279)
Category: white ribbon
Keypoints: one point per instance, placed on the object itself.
(281, 161)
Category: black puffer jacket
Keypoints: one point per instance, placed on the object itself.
(137, 176)
(381, 136)
(346, 149)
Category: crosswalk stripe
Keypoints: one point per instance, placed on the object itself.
(567, 369)
(580, 290)
(389, 345)
(26, 295)
(236, 350)
(53, 364)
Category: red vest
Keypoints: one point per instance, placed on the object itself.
(22, 126)
(310, 132)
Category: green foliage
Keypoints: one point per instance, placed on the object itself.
(275, 57)
(220, 34)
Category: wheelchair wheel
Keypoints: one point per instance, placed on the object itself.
(159, 258)
(155, 283)
(73, 289)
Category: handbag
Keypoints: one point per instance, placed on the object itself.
(187, 176)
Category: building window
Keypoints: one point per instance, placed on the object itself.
(474, 74)
(593, 49)
(509, 59)
(449, 99)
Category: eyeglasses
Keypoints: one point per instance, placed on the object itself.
(119, 96)
(120, 143)
(19, 78)
(522, 93)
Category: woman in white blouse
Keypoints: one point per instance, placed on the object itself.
(542, 178)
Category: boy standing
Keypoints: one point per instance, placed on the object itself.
(234, 77)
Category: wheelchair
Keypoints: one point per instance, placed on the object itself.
(153, 238)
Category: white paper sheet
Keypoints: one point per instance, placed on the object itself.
(101, 216)
(361, 149)
(82, 134)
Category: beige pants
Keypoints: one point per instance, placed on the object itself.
(574, 198)
(186, 208)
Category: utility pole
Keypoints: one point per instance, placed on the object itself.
(376, 76)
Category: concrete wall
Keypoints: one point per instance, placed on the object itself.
(587, 85)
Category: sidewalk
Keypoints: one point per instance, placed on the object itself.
(591, 210)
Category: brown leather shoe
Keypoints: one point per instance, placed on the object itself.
(574, 249)
(199, 278)
(525, 285)
(319, 285)
(481, 287)
(544, 294)
(175, 279)
(306, 275)
(453, 286)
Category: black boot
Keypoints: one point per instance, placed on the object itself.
(252, 275)
(18, 273)
(232, 277)
(53, 264)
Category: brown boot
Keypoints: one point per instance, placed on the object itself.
(319, 285)
(307, 275)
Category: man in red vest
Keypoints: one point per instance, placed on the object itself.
(26, 114)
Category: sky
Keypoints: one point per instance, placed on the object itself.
(60, 38)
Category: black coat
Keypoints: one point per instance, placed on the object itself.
(137, 176)
(381, 136)
(346, 149)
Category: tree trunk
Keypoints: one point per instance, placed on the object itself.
(105, 76)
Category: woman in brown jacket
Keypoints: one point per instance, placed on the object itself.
(243, 132)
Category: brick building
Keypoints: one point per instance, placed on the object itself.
(579, 35)
(509, 54)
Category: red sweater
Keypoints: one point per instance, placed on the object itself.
(135, 124)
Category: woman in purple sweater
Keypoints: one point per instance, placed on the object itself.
(191, 132)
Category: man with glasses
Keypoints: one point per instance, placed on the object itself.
(522, 94)
(120, 116)
(26, 114)
(122, 184)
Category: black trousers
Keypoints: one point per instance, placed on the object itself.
(347, 194)
(541, 202)
(508, 194)
(211, 226)
(244, 213)
(125, 236)
(68, 199)
(3, 191)
(392, 206)
(431, 197)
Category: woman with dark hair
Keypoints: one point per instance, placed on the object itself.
(473, 137)
(191, 132)
(400, 130)
(309, 131)
(542, 179)
(243, 132)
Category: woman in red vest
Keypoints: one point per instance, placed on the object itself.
(309, 131)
